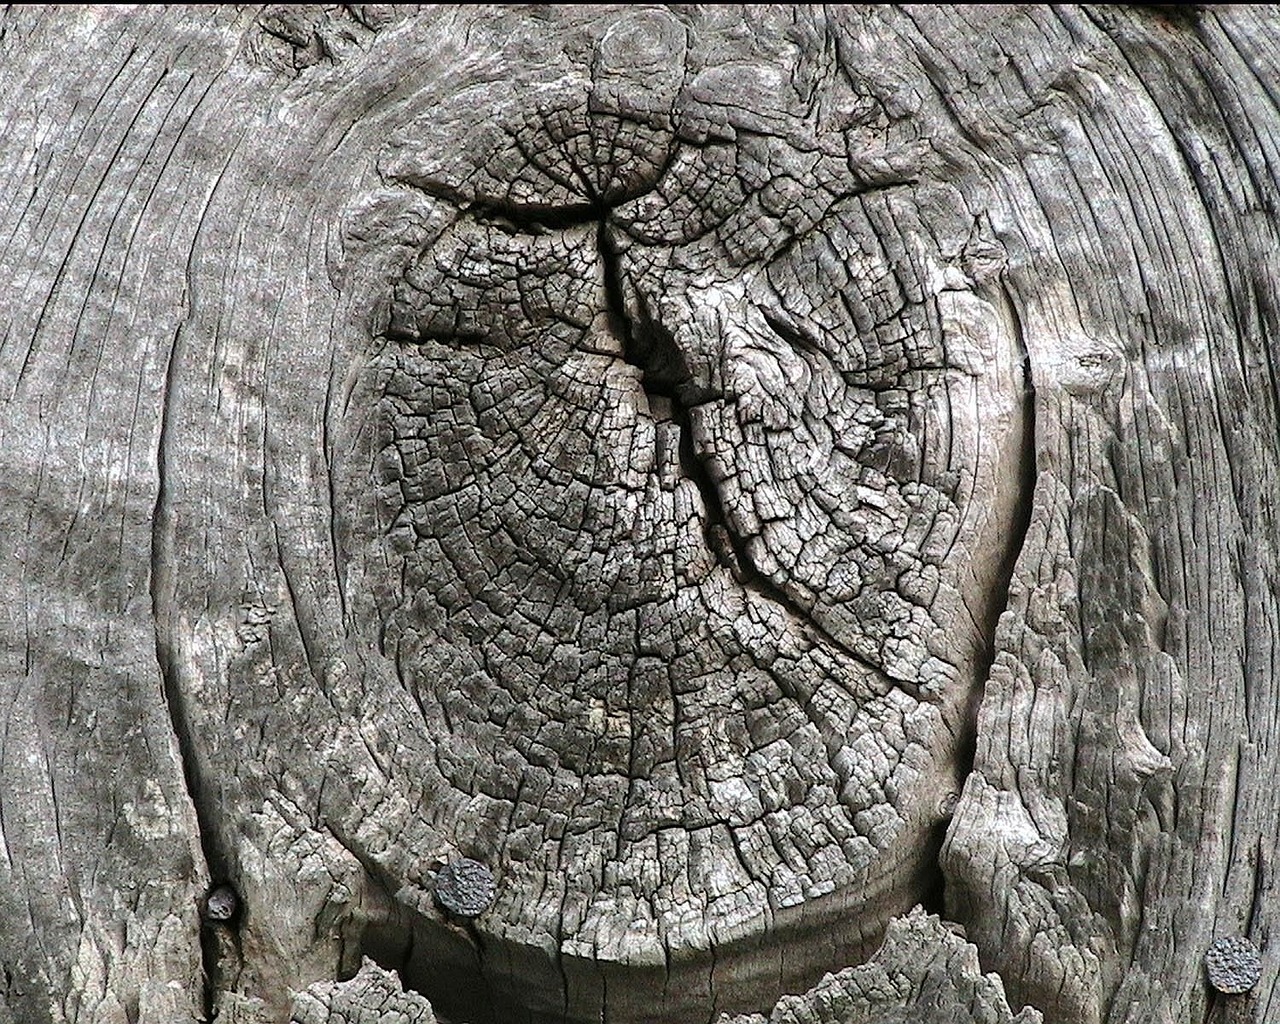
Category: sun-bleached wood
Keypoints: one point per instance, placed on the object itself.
(738, 474)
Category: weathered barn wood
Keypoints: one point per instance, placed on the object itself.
(551, 513)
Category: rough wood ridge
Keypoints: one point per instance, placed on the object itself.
(541, 514)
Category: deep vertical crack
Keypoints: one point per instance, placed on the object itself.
(1019, 525)
(666, 377)
(163, 586)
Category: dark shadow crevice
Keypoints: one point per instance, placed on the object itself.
(933, 893)
(443, 964)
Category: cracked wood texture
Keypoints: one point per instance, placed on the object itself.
(738, 474)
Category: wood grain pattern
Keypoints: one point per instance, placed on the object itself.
(740, 474)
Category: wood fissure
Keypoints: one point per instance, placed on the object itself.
(215, 936)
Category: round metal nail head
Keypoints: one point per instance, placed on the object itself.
(221, 903)
(464, 888)
(1234, 965)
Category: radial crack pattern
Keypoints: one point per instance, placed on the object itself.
(675, 474)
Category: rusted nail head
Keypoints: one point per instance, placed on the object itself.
(464, 888)
(1234, 965)
(221, 904)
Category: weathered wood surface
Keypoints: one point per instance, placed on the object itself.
(922, 972)
(738, 474)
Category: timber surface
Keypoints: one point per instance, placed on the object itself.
(740, 474)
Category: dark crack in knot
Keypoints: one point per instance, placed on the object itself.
(1234, 965)
(671, 386)
(646, 343)
(465, 888)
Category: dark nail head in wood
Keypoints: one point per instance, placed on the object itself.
(1234, 965)
(221, 904)
(464, 888)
